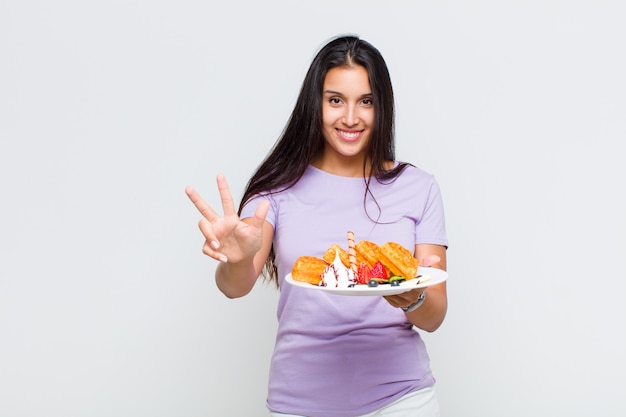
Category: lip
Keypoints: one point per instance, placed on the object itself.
(349, 135)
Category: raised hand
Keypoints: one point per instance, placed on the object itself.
(228, 238)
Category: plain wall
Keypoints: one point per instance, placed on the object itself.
(108, 109)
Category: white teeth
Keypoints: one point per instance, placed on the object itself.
(349, 135)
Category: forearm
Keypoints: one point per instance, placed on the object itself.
(236, 279)
(431, 313)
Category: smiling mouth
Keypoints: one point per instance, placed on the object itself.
(350, 136)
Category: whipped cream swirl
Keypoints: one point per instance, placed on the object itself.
(337, 275)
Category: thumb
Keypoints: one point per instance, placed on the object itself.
(261, 213)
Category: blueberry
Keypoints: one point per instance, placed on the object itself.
(372, 283)
(395, 283)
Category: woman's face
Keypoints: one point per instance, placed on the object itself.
(347, 114)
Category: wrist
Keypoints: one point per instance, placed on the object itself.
(417, 304)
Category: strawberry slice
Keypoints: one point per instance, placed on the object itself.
(379, 271)
(363, 273)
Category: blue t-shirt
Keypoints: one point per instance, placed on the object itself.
(341, 356)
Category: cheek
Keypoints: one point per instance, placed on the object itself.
(329, 115)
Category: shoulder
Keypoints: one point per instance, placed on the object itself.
(412, 174)
(416, 171)
(416, 185)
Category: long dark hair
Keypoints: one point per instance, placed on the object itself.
(302, 140)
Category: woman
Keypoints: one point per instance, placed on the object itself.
(334, 170)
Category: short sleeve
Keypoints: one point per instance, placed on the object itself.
(251, 205)
(431, 228)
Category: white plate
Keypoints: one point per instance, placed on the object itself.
(426, 276)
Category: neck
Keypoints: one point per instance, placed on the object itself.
(343, 167)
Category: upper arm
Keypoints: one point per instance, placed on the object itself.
(424, 250)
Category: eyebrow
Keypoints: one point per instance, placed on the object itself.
(341, 94)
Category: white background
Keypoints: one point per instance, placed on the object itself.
(108, 109)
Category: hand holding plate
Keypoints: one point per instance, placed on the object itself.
(409, 297)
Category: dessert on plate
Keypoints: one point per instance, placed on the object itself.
(364, 263)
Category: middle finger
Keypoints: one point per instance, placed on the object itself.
(227, 199)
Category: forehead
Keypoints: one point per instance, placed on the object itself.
(348, 79)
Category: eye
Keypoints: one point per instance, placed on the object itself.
(368, 101)
(334, 100)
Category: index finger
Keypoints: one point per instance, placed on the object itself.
(202, 206)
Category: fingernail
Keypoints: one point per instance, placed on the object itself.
(223, 259)
(215, 244)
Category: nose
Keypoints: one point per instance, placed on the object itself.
(351, 116)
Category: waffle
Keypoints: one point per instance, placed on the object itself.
(329, 255)
(367, 252)
(398, 260)
(308, 269)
